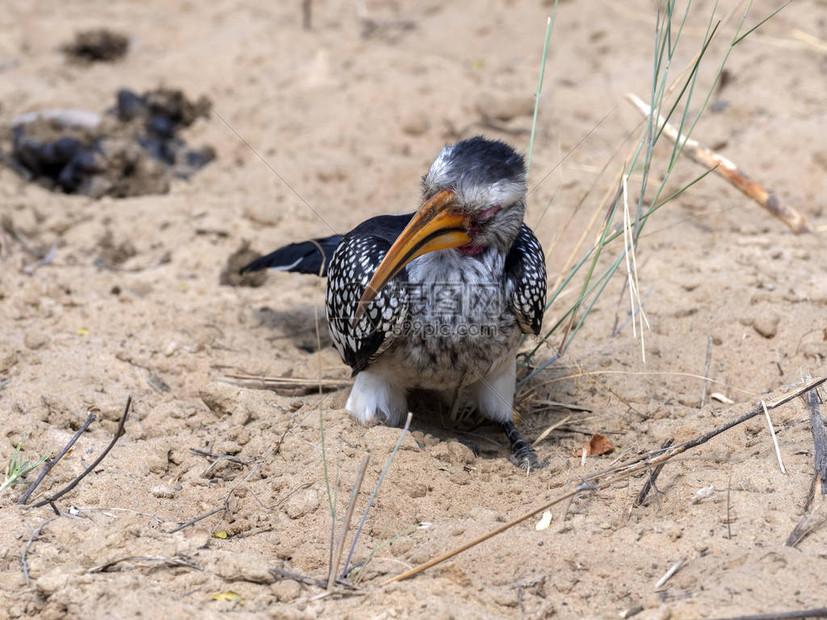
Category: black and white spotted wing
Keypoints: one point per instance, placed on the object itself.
(351, 268)
(525, 276)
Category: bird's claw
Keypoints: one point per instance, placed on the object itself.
(522, 455)
(526, 460)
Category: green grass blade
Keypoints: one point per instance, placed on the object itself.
(738, 39)
(549, 28)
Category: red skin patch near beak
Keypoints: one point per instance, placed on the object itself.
(472, 249)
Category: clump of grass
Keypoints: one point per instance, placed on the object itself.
(18, 469)
(622, 219)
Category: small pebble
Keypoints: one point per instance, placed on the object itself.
(164, 491)
(766, 323)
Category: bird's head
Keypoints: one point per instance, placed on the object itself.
(473, 199)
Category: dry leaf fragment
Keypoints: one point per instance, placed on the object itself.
(229, 595)
(597, 445)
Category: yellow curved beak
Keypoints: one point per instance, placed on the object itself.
(436, 225)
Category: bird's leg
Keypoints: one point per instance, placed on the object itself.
(494, 397)
(522, 455)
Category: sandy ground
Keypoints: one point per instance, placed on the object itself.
(350, 113)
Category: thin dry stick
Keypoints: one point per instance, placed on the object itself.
(653, 476)
(631, 268)
(340, 547)
(197, 519)
(811, 519)
(549, 430)
(811, 40)
(158, 559)
(50, 463)
(729, 506)
(219, 457)
(646, 373)
(806, 525)
(704, 156)
(23, 562)
(94, 464)
(607, 205)
(280, 573)
(293, 382)
(774, 439)
(670, 573)
(376, 491)
(604, 479)
(819, 439)
(608, 198)
(801, 614)
(706, 370)
(507, 526)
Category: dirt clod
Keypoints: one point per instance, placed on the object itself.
(231, 272)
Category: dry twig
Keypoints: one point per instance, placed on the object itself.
(704, 156)
(280, 573)
(653, 476)
(813, 518)
(729, 507)
(28, 544)
(774, 439)
(50, 463)
(373, 495)
(819, 439)
(801, 614)
(155, 559)
(197, 519)
(219, 457)
(340, 546)
(293, 383)
(806, 525)
(706, 370)
(670, 573)
(95, 463)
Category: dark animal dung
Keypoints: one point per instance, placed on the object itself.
(99, 45)
(133, 150)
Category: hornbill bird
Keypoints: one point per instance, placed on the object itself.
(436, 299)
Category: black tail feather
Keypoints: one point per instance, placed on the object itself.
(306, 257)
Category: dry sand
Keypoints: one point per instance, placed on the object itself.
(349, 114)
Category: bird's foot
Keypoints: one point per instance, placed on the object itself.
(527, 460)
(522, 455)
